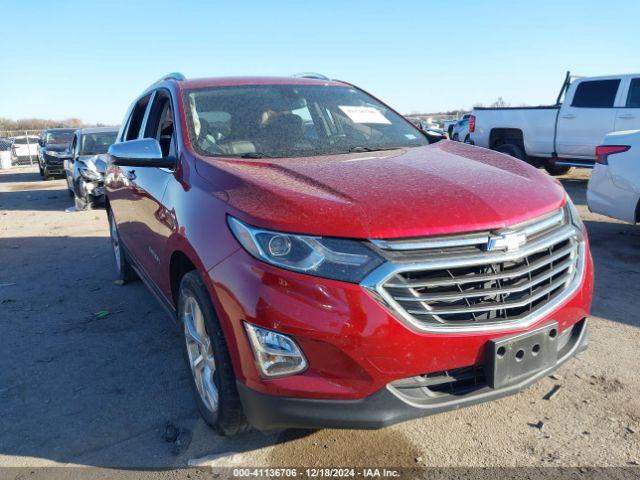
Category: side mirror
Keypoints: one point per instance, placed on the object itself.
(144, 152)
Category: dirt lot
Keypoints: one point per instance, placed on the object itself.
(83, 387)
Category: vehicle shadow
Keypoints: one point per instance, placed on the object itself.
(21, 175)
(92, 372)
(615, 248)
(577, 189)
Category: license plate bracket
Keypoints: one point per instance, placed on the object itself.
(512, 359)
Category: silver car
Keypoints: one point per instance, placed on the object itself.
(86, 165)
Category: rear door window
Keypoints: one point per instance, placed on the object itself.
(596, 94)
(136, 118)
(633, 99)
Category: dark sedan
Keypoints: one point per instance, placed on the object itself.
(54, 146)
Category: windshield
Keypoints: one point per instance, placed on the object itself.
(292, 120)
(58, 137)
(97, 143)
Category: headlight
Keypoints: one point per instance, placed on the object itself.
(574, 216)
(339, 259)
(89, 174)
(52, 154)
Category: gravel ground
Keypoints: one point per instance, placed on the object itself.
(79, 386)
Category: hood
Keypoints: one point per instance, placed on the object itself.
(95, 162)
(443, 188)
(56, 147)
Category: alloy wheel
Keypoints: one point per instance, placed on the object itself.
(200, 353)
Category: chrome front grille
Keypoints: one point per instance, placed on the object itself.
(459, 283)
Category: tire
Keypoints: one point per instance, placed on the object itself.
(455, 137)
(512, 150)
(467, 139)
(556, 170)
(69, 189)
(45, 173)
(41, 170)
(81, 203)
(212, 381)
(123, 267)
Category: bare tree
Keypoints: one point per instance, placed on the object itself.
(500, 103)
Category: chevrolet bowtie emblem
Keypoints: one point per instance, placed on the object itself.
(507, 241)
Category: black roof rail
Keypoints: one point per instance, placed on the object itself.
(314, 75)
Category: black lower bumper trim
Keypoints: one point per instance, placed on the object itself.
(382, 408)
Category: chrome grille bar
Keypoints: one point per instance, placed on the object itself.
(488, 291)
(485, 278)
(494, 306)
(458, 283)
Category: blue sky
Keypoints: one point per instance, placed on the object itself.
(89, 59)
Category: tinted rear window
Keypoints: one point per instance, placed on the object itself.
(596, 94)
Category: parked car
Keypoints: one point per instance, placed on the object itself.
(86, 165)
(5, 153)
(432, 131)
(614, 186)
(54, 150)
(566, 134)
(460, 132)
(448, 125)
(355, 278)
(23, 149)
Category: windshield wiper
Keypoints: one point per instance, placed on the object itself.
(254, 155)
(359, 149)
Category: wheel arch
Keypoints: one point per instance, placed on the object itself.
(179, 265)
(501, 136)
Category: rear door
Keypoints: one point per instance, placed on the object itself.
(120, 185)
(149, 228)
(584, 122)
(628, 117)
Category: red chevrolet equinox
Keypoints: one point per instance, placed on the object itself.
(330, 264)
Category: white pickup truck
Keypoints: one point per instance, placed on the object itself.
(566, 134)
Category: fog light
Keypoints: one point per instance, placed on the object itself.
(276, 354)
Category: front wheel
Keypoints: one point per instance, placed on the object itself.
(557, 170)
(41, 170)
(81, 203)
(207, 357)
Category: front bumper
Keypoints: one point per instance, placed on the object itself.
(386, 406)
(354, 345)
(54, 165)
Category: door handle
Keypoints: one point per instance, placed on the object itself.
(627, 116)
(569, 116)
(131, 174)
